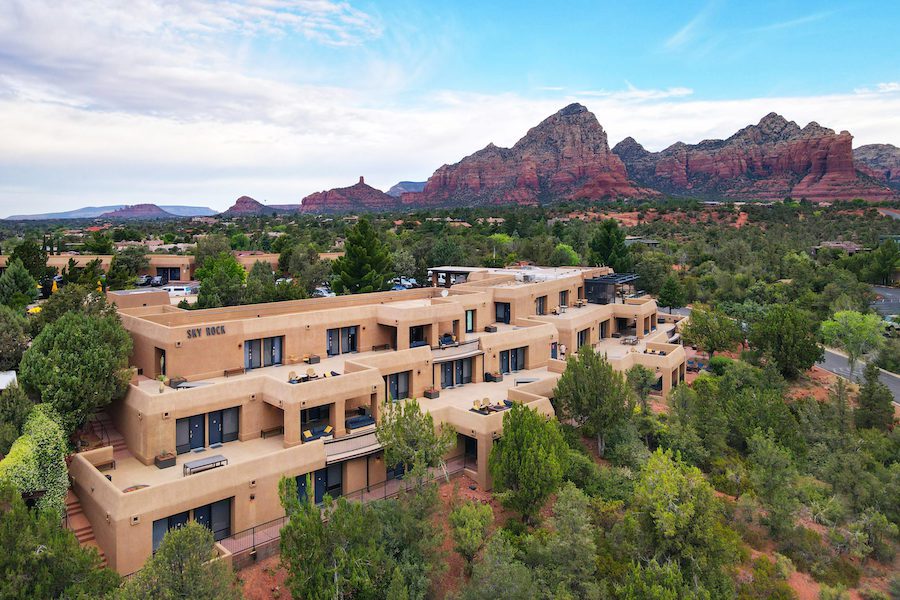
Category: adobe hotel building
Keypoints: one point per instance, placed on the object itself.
(261, 392)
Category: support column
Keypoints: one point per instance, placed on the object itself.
(292, 425)
(484, 451)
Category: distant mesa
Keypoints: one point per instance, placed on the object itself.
(94, 212)
(880, 161)
(360, 197)
(773, 159)
(247, 206)
(405, 187)
(139, 211)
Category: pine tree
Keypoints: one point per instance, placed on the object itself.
(366, 264)
(526, 463)
(17, 287)
(608, 247)
(33, 257)
(876, 409)
(671, 294)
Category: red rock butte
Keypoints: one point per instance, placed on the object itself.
(358, 197)
(771, 160)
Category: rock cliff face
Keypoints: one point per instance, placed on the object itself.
(881, 161)
(404, 187)
(565, 157)
(245, 206)
(138, 211)
(771, 160)
(359, 197)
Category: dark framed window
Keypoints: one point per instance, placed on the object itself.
(161, 526)
(584, 337)
(263, 352)
(564, 298)
(512, 360)
(540, 305)
(456, 372)
(315, 415)
(216, 517)
(398, 385)
(502, 312)
(470, 321)
(349, 339)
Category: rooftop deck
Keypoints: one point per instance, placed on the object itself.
(461, 397)
(131, 472)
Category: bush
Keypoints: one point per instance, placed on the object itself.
(582, 471)
(14, 409)
(873, 594)
(804, 547)
(719, 364)
(14, 338)
(729, 475)
(833, 593)
(836, 571)
(765, 582)
(37, 459)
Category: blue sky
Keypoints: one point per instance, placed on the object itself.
(201, 101)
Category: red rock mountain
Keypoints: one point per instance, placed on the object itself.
(245, 206)
(359, 197)
(565, 157)
(771, 160)
(881, 161)
(138, 211)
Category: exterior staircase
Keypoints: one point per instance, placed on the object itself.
(78, 523)
(104, 429)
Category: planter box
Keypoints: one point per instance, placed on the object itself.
(313, 359)
(174, 382)
(432, 394)
(491, 328)
(164, 462)
(493, 377)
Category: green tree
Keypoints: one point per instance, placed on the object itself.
(78, 364)
(211, 246)
(17, 287)
(564, 558)
(14, 409)
(641, 379)
(608, 248)
(409, 437)
(564, 256)
(526, 464)
(500, 575)
(773, 476)
(332, 553)
(397, 590)
(671, 294)
(366, 263)
(469, 523)
(787, 334)
(884, 261)
(98, 243)
(855, 333)
(14, 338)
(72, 298)
(404, 263)
(40, 559)
(184, 566)
(652, 267)
(308, 270)
(447, 250)
(875, 403)
(37, 459)
(33, 257)
(654, 581)
(221, 281)
(594, 395)
(126, 265)
(711, 330)
(676, 517)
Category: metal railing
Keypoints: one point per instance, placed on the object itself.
(270, 532)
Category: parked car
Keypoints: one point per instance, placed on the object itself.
(322, 292)
(178, 290)
(143, 280)
(284, 280)
(158, 280)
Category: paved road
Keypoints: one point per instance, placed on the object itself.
(890, 301)
(837, 364)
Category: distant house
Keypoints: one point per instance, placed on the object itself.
(850, 248)
(631, 240)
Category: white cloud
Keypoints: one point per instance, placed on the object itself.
(152, 101)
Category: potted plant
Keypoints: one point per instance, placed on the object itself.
(162, 383)
(432, 393)
(164, 460)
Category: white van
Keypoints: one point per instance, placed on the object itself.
(178, 290)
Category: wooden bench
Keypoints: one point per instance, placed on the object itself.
(272, 431)
(381, 347)
(235, 371)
